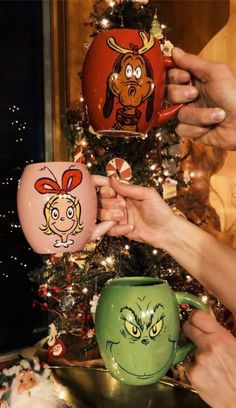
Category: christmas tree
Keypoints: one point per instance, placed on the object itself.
(70, 284)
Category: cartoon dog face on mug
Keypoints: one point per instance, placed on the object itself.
(142, 332)
(131, 82)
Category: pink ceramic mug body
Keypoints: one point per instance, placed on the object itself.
(57, 206)
(123, 81)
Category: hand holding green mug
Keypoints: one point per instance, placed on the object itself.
(137, 328)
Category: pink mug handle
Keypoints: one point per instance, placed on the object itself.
(167, 113)
(104, 226)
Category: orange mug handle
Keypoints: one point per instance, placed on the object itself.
(167, 113)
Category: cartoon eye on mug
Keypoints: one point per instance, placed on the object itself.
(62, 211)
(131, 82)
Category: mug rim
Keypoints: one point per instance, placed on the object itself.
(135, 281)
(54, 161)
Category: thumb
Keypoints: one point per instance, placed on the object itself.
(204, 321)
(200, 324)
(197, 66)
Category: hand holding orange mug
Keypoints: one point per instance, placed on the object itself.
(57, 206)
(123, 83)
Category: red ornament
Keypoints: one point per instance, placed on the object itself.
(184, 306)
(43, 290)
(119, 168)
(78, 154)
(57, 350)
(56, 289)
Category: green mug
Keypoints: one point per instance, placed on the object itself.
(137, 328)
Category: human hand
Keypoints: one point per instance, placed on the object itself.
(210, 113)
(141, 214)
(213, 373)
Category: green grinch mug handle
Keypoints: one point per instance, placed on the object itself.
(191, 300)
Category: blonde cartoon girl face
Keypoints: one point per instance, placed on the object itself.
(62, 215)
(62, 211)
(62, 219)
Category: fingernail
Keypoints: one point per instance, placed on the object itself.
(117, 215)
(218, 115)
(191, 93)
(121, 203)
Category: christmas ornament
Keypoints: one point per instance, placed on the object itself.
(29, 384)
(170, 167)
(67, 302)
(52, 334)
(156, 29)
(93, 304)
(119, 169)
(169, 188)
(166, 48)
(78, 154)
(57, 350)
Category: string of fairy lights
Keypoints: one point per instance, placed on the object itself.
(19, 129)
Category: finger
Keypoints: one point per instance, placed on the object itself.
(191, 131)
(204, 321)
(178, 76)
(100, 180)
(192, 332)
(200, 68)
(110, 215)
(132, 191)
(124, 219)
(118, 230)
(181, 93)
(112, 203)
(107, 192)
(192, 115)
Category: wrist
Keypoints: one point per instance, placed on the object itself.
(171, 232)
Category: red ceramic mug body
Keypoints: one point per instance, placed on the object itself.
(57, 206)
(123, 83)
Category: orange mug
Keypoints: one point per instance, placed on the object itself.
(57, 206)
(123, 83)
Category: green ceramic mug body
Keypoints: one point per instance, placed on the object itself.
(137, 328)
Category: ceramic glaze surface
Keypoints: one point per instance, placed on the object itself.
(137, 328)
(57, 206)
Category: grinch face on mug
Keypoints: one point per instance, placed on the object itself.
(137, 328)
(141, 332)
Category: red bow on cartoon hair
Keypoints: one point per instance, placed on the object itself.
(70, 179)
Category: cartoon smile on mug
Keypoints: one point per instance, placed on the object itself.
(144, 348)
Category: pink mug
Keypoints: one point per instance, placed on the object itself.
(57, 206)
(123, 83)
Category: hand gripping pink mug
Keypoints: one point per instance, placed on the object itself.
(57, 206)
(123, 83)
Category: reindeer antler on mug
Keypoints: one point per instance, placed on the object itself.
(147, 45)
